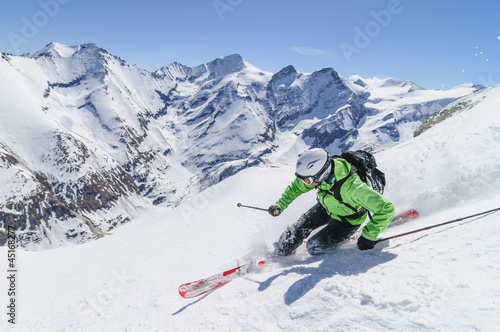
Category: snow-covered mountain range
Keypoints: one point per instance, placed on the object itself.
(88, 141)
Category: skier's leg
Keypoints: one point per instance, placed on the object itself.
(295, 234)
(330, 237)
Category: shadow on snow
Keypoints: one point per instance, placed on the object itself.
(346, 262)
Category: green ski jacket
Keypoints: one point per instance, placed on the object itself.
(354, 191)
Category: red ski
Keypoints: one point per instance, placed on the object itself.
(396, 221)
(205, 285)
(404, 217)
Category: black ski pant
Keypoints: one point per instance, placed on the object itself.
(332, 235)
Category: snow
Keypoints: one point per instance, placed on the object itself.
(57, 49)
(396, 101)
(444, 279)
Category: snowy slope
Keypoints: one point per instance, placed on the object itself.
(439, 280)
(456, 160)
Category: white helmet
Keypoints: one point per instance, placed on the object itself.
(314, 164)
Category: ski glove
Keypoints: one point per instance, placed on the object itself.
(274, 210)
(365, 244)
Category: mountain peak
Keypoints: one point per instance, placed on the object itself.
(393, 82)
(285, 76)
(288, 70)
(62, 51)
(475, 87)
(56, 50)
(226, 65)
(174, 71)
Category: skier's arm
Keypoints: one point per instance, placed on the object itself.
(382, 209)
(294, 190)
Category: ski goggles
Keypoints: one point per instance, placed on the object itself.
(309, 180)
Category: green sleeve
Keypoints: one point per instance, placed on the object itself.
(294, 190)
(382, 209)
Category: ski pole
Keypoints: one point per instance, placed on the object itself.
(433, 226)
(251, 207)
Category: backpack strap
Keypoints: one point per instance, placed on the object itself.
(335, 192)
(337, 186)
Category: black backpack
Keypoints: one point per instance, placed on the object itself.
(364, 164)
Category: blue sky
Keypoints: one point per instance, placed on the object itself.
(437, 44)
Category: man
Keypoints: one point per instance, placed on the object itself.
(316, 170)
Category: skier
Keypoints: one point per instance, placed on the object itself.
(316, 170)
